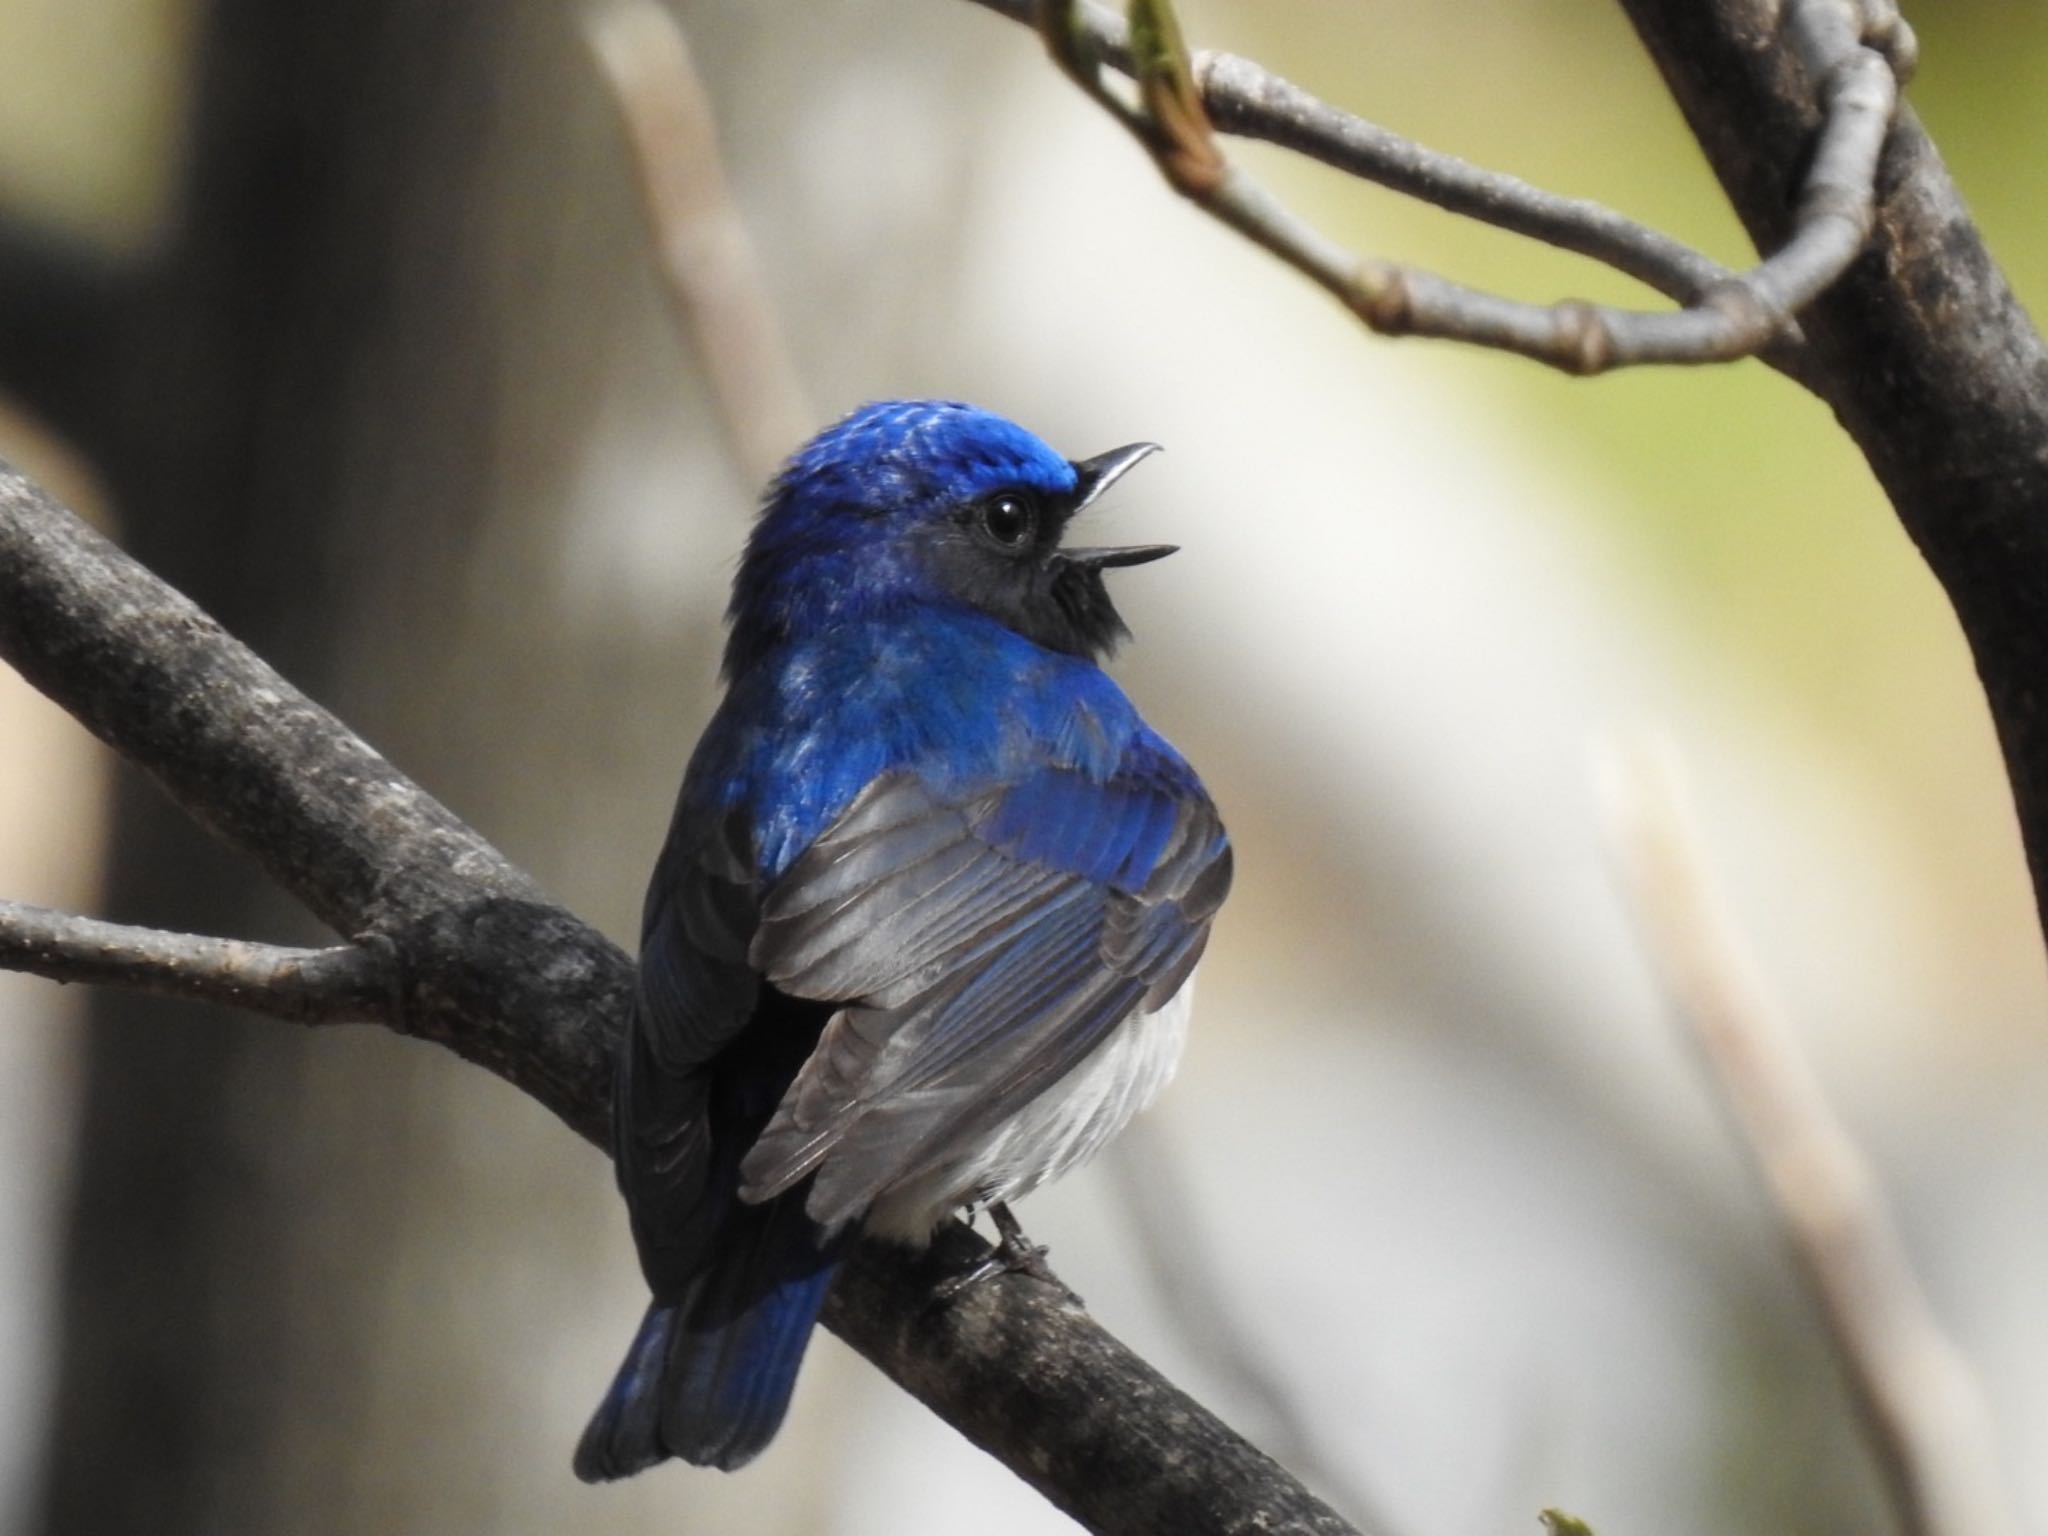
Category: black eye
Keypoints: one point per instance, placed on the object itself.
(1008, 520)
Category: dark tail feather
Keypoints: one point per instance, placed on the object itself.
(728, 1384)
(624, 1435)
(709, 1377)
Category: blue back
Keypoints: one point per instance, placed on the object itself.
(950, 695)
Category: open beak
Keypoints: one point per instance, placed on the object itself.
(1094, 476)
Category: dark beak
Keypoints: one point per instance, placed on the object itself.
(1094, 476)
(1127, 554)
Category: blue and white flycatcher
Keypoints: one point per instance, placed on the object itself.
(922, 933)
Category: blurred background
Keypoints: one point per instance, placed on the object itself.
(341, 315)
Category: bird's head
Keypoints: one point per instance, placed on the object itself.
(913, 502)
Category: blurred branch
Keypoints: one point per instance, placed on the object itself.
(1924, 1415)
(491, 969)
(711, 270)
(1726, 316)
(346, 984)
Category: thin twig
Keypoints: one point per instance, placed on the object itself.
(1247, 99)
(712, 273)
(1922, 1410)
(347, 984)
(1725, 317)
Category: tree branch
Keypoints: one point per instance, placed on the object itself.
(1923, 1413)
(1725, 316)
(1923, 352)
(491, 969)
(1112, 1442)
(1250, 101)
(707, 258)
(346, 984)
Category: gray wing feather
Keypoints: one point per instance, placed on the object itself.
(973, 980)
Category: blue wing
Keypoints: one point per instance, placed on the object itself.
(979, 943)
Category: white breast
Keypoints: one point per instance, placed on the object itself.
(1060, 1129)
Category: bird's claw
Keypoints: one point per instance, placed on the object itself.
(1014, 1254)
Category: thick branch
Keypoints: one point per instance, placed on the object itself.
(492, 970)
(344, 985)
(1112, 1442)
(1922, 350)
(1922, 1409)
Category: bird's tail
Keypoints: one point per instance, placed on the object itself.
(709, 1375)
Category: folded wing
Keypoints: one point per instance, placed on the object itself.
(980, 943)
(697, 991)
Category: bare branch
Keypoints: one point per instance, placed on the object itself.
(490, 964)
(1923, 1412)
(1250, 101)
(494, 971)
(1922, 350)
(346, 984)
(1110, 1440)
(708, 261)
(1726, 316)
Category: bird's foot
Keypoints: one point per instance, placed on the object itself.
(1014, 1254)
(1014, 1251)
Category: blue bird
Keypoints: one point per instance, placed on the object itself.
(922, 932)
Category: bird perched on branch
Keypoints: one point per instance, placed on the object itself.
(922, 934)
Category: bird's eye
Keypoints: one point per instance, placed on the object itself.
(1008, 520)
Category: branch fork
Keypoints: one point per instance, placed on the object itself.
(1857, 53)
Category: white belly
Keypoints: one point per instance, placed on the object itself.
(1060, 1129)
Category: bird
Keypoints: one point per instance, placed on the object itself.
(923, 930)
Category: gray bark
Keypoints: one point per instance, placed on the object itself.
(1925, 355)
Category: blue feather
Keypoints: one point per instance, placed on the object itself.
(709, 1378)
